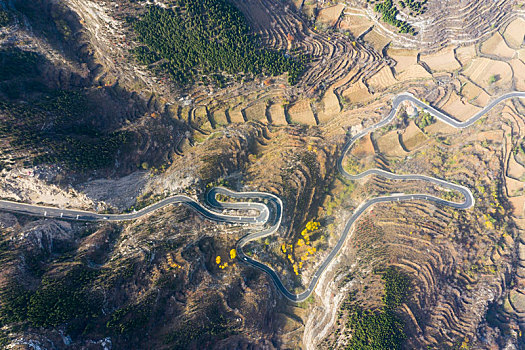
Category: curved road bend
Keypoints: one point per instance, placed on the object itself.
(71, 214)
(467, 203)
(272, 213)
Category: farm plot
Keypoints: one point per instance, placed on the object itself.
(460, 109)
(465, 54)
(357, 93)
(363, 147)
(441, 61)
(329, 106)
(356, 23)
(256, 112)
(389, 145)
(301, 113)
(486, 72)
(330, 15)
(515, 33)
(497, 46)
(276, 112)
(474, 94)
(413, 137)
(382, 80)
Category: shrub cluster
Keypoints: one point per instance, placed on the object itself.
(389, 13)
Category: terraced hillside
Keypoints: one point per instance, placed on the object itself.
(426, 275)
(441, 24)
(459, 262)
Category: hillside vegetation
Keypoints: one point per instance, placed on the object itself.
(389, 13)
(49, 125)
(71, 142)
(380, 329)
(207, 38)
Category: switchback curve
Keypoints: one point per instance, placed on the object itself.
(272, 213)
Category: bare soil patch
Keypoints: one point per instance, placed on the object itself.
(329, 106)
(458, 108)
(364, 147)
(382, 80)
(404, 58)
(413, 137)
(521, 54)
(201, 119)
(301, 112)
(377, 40)
(236, 115)
(330, 15)
(492, 136)
(518, 204)
(474, 94)
(515, 169)
(481, 71)
(442, 60)
(219, 116)
(389, 145)
(256, 112)
(518, 67)
(440, 128)
(414, 72)
(309, 8)
(407, 67)
(356, 23)
(465, 54)
(298, 3)
(496, 45)
(358, 93)
(515, 33)
(514, 187)
(276, 111)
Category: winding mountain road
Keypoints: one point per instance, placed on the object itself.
(70, 214)
(270, 214)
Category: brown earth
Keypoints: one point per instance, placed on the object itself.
(330, 15)
(301, 112)
(497, 46)
(443, 60)
(515, 33)
(460, 265)
(413, 137)
(482, 69)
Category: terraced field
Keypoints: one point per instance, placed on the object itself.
(259, 134)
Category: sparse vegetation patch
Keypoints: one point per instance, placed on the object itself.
(5, 18)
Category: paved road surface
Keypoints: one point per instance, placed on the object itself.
(270, 214)
(71, 214)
